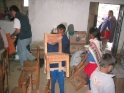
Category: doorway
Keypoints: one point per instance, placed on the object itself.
(97, 14)
(103, 11)
(103, 15)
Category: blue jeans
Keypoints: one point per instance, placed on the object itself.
(60, 76)
(23, 52)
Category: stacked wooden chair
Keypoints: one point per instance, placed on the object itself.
(31, 67)
(48, 86)
(27, 86)
(5, 58)
(4, 88)
(54, 57)
(76, 76)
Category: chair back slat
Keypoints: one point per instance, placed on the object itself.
(52, 38)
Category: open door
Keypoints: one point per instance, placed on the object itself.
(93, 12)
(118, 31)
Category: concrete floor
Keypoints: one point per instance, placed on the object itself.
(14, 75)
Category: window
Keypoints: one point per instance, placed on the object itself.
(26, 2)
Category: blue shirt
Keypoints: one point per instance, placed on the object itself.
(90, 57)
(54, 48)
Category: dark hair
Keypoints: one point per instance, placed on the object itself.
(95, 32)
(107, 60)
(110, 11)
(14, 8)
(61, 27)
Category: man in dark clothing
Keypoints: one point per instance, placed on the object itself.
(23, 33)
(53, 47)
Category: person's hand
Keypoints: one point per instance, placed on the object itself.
(6, 48)
(12, 36)
(88, 91)
(59, 39)
(51, 43)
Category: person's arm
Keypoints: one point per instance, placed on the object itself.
(4, 39)
(65, 43)
(17, 27)
(53, 46)
(16, 32)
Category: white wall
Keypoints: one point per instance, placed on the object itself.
(7, 26)
(45, 14)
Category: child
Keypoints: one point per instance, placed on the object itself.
(53, 47)
(94, 52)
(101, 81)
(3, 42)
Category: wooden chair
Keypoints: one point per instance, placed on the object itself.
(26, 85)
(48, 86)
(75, 75)
(32, 67)
(1, 78)
(4, 88)
(54, 57)
(5, 58)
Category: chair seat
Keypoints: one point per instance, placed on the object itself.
(37, 91)
(25, 75)
(30, 64)
(55, 54)
(17, 90)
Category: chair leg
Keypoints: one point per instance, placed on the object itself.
(7, 60)
(24, 89)
(6, 88)
(48, 69)
(8, 68)
(19, 83)
(38, 77)
(37, 85)
(1, 85)
(67, 67)
(44, 64)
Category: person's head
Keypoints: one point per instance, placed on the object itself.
(94, 33)
(13, 9)
(110, 13)
(61, 29)
(107, 63)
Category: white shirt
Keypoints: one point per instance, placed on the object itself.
(17, 23)
(102, 82)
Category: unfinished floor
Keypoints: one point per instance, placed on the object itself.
(14, 75)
